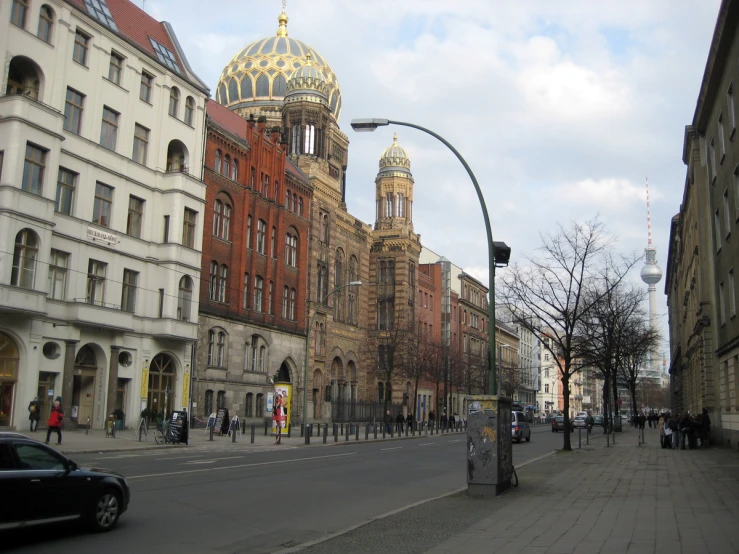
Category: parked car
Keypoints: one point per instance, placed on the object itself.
(47, 487)
(580, 422)
(520, 428)
(558, 424)
(598, 420)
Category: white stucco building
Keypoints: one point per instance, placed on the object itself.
(101, 141)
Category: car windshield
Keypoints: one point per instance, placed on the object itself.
(559, 418)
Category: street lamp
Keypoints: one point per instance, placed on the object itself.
(307, 353)
(498, 252)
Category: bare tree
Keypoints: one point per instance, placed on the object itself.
(510, 380)
(550, 290)
(641, 341)
(417, 355)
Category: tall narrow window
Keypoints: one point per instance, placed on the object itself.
(217, 210)
(401, 205)
(288, 200)
(711, 161)
(732, 293)
(248, 232)
(722, 302)
(291, 250)
(57, 281)
(189, 110)
(102, 206)
(226, 169)
(81, 46)
(262, 351)
(174, 101)
(727, 213)
(272, 242)
(65, 185)
(128, 295)
(213, 283)
(135, 216)
(96, 282)
(188, 228)
(147, 81)
(246, 291)
(717, 229)
(217, 163)
(270, 311)
(285, 301)
(266, 186)
(254, 353)
(300, 205)
(25, 255)
(45, 23)
(115, 69)
(220, 361)
(309, 139)
(184, 299)
(249, 412)
(165, 234)
(211, 355)
(261, 232)
(258, 294)
(226, 223)
(19, 13)
(140, 144)
(222, 284)
(109, 128)
(721, 138)
(293, 293)
(235, 170)
(33, 169)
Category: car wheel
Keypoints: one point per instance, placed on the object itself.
(106, 510)
(528, 439)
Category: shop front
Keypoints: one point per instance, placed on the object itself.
(9, 360)
(162, 380)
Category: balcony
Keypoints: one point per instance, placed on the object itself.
(16, 299)
(168, 328)
(15, 107)
(22, 202)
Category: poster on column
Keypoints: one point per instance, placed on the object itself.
(186, 391)
(281, 405)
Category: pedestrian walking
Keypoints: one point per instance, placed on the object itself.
(673, 424)
(388, 422)
(409, 421)
(34, 413)
(55, 422)
(684, 429)
(705, 428)
(399, 420)
(277, 418)
(661, 430)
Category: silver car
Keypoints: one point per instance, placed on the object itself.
(520, 428)
(580, 422)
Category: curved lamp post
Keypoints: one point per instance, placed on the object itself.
(498, 252)
(307, 354)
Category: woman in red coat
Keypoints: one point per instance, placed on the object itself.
(55, 421)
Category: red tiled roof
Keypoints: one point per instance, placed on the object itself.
(226, 119)
(136, 26)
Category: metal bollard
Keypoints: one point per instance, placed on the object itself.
(336, 432)
(233, 435)
(87, 428)
(347, 432)
(325, 432)
(384, 429)
(253, 429)
(211, 432)
(341, 430)
(366, 431)
(289, 429)
(302, 431)
(426, 427)
(579, 437)
(266, 426)
(374, 428)
(356, 430)
(308, 428)
(392, 431)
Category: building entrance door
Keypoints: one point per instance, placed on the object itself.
(83, 391)
(9, 359)
(46, 392)
(161, 386)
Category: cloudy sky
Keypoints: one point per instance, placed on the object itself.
(561, 108)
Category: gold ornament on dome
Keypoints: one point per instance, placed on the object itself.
(395, 156)
(258, 75)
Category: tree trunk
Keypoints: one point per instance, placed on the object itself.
(567, 445)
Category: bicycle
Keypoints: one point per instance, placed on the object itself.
(161, 434)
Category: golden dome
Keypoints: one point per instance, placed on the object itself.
(395, 159)
(257, 76)
(307, 83)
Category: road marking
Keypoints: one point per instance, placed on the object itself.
(427, 444)
(201, 462)
(238, 466)
(456, 440)
(393, 448)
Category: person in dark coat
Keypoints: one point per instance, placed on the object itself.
(55, 422)
(409, 421)
(399, 420)
(388, 422)
(34, 413)
(705, 429)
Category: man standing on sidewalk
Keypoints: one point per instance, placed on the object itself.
(705, 428)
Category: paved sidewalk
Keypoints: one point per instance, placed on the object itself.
(78, 442)
(621, 499)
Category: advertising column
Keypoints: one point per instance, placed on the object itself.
(281, 406)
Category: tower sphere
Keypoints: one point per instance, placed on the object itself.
(651, 274)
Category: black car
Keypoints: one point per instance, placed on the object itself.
(39, 485)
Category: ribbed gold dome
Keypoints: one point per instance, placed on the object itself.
(394, 158)
(258, 75)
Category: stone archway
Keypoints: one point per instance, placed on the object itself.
(88, 387)
(162, 385)
(283, 375)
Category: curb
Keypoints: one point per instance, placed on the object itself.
(298, 548)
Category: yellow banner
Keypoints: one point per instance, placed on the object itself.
(186, 391)
(145, 381)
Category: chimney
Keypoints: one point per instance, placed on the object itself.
(261, 123)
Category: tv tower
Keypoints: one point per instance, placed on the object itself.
(651, 274)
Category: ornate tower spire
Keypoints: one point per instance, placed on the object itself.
(282, 20)
(394, 189)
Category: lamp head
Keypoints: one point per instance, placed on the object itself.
(368, 125)
(502, 253)
(355, 283)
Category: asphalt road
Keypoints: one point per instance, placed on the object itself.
(227, 498)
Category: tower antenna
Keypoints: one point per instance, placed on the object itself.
(649, 217)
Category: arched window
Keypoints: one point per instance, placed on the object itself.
(309, 139)
(258, 293)
(217, 163)
(184, 299)
(261, 235)
(262, 86)
(222, 98)
(262, 351)
(174, 101)
(19, 13)
(352, 305)
(293, 294)
(316, 336)
(213, 287)
(279, 86)
(222, 284)
(291, 250)
(389, 204)
(226, 165)
(217, 210)
(208, 403)
(338, 282)
(211, 347)
(45, 23)
(221, 400)
(226, 226)
(249, 412)
(25, 255)
(285, 301)
(401, 205)
(233, 91)
(189, 110)
(235, 170)
(260, 405)
(221, 349)
(24, 77)
(295, 139)
(246, 88)
(176, 156)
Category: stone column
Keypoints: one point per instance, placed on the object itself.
(68, 377)
(112, 381)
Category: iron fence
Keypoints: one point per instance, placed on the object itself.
(362, 411)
